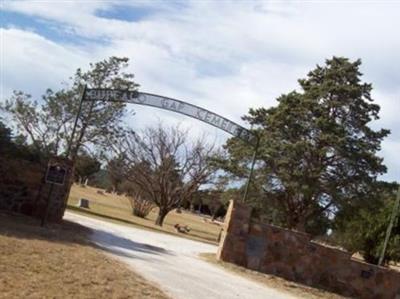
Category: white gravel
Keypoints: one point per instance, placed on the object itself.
(173, 263)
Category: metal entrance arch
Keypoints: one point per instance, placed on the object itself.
(153, 100)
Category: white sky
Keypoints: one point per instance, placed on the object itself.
(221, 55)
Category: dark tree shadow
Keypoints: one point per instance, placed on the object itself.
(22, 226)
(122, 246)
(26, 227)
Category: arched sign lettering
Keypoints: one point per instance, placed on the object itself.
(148, 99)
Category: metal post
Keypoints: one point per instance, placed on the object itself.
(253, 162)
(390, 227)
(46, 213)
(76, 122)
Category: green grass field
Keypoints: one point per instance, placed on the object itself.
(118, 208)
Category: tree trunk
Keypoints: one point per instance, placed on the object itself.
(161, 217)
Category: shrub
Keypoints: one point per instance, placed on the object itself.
(141, 206)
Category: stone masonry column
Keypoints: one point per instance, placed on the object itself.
(232, 246)
(59, 193)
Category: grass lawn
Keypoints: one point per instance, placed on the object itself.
(117, 208)
(58, 262)
(272, 281)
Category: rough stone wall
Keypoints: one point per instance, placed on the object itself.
(292, 255)
(24, 190)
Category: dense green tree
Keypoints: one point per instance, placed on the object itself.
(317, 150)
(101, 180)
(5, 136)
(15, 147)
(114, 172)
(196, 200)
(86, 166)
(362, 226)
(48, 123)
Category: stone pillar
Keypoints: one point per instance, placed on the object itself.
(232, 246)
(59, 193)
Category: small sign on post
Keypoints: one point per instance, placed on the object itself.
(55, 175)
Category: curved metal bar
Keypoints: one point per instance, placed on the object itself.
(170, 104)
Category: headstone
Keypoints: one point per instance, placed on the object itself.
(83, 203)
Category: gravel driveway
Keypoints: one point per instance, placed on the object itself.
(172, 262)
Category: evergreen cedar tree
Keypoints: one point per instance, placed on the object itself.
(318, 153)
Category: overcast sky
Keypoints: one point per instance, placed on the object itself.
(221, 55)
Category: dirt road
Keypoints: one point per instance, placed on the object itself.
(172, 263)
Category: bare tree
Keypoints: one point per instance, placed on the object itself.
(165, 165)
